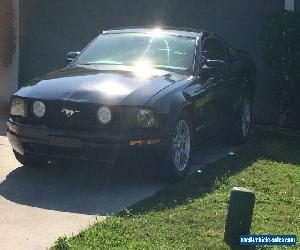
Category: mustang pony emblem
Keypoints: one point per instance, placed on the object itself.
(69, 112)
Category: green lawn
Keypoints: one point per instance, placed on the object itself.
(191, 214)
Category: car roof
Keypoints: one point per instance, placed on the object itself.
(175, 31)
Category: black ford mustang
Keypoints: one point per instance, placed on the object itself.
(161, 89)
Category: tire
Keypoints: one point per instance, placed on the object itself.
(242, 123)
(30, 162)
(178, 157)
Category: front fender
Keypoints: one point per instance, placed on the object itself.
(169, 105)
(178, 104)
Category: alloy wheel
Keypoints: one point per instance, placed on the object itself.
(181, 145)
(246, 118)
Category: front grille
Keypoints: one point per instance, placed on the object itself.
(84, 120)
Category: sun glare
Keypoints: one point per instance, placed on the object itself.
(143, 69)
(157, 32)
(113, 88)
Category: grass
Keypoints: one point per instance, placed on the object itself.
(192, 214)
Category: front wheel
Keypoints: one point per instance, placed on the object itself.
(242, 123)
(180, 149)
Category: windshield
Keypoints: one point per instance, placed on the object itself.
(171, 53)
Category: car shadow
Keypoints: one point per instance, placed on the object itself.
(80, 187)
(91, 189)
(205, 179)
(202, 180)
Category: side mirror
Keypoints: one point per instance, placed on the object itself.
(71, 56)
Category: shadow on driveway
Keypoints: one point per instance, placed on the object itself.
(268, 144)
(3, 118)
(78, 188)
(93, 188)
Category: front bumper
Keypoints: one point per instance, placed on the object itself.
(52, 144)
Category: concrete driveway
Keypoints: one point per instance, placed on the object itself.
(38, 205)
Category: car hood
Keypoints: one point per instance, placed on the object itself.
(110, 85)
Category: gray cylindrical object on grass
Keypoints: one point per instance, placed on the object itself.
(239, 215)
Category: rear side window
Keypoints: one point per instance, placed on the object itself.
(233, 56)
(213, 49)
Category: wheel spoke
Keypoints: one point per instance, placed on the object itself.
(185, 132)
(183, 128)
(179, 128)
(187, 148)
(183, 157)
(246, 118)
(177, 157)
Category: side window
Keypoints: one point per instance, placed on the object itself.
(233, 57)
(213, 49)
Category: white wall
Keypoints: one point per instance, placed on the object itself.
(9, 74)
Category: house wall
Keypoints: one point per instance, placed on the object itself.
(297, 5)
(49, 29)
(9, 58)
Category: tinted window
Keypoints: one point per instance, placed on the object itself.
(233, 56)
(213, 49)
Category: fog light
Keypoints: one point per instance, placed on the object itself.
(39, 109)
(104, 115)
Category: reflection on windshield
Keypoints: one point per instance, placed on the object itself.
(153, 50)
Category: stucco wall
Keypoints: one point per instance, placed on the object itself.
(297, 5)
(9, 66)
(51, 28)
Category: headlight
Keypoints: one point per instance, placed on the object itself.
(104, 115)
(18, 107)
(38, 109)
(146, 118)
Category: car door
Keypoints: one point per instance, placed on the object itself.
(199, 92)
(216, 75)
(237, 78)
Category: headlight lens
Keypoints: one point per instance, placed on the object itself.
(39, 109)
(104, 115)
(146, 118)
(18, 106)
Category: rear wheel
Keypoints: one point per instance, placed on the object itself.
(180, 149)
(242, 124)
(29, 161)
